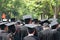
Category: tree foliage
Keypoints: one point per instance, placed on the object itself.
(18, 8)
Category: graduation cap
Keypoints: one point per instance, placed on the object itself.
(18, 22)
(27, 16)
(31, 28)
(30, 25)
(53, 24)
(44, 21)
(13, 19)
(3, 23)
(35, 20)
(2, 26)
(9, 24)
(11, 27)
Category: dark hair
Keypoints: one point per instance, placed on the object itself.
(31, 30)
(27, 20)
(18, 23)
(45, 24)
(2, 26)
(54, 26)
(11, 29)
(35, 21)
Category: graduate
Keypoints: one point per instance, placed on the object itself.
(31, 31)
(4, 32)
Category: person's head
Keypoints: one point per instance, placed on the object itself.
(11, 28)
(4, 27)
(44, 21)
(45, 24)
(57, 26)
(31, 30)
(28, 21)
(18, 23)
(35, 21)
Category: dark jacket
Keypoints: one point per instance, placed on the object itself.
(46, 35)
(4, 35)
(57, 34)
(31, 38)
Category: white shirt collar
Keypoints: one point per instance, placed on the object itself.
(30, 34)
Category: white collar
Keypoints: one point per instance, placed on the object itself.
(45, 28)
(30, 34)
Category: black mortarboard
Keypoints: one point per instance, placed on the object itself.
(9, 24)
(53, 23)
(11, 27)
(27, 16)
(2, 26)
(44, 21)
(31, 28)
(35, 20)
(13, 19)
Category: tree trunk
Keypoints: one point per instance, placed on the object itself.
(55, 14)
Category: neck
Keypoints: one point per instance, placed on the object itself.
(30, 34)
(46, 28)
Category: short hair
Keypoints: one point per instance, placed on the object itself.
(11, 28)
(18, 23)
(2, 26)
(35, 21)
(27, 20)
(31, 30)
(46, 25)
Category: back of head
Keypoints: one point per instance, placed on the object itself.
(46, 25)
(28, 20)
(31, 30)
(2, 26)
(18, 23)
(11, 29)
(35, 21)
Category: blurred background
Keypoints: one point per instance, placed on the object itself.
(37, 8)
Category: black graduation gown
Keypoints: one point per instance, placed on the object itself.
(31, 38)
(46, 35)
(57, 34)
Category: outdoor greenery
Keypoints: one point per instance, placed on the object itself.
(37, 8)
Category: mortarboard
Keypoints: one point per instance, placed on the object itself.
(2, 26)
(3, 23)
(30, 25)
(11, 27)
(44, 21)
(31, 28)
(53, 22)
(9, 24)
(35, 20)
(27, 16)
(13, 19)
